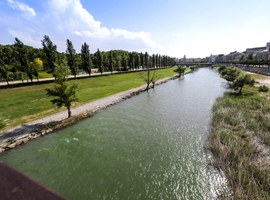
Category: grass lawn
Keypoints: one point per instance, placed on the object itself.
(24, 104)
(44, 74)
(240, 142)
(259, 76)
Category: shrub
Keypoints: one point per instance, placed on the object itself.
(263, 88)
(241, 81)
(230, 74)
(221, 68)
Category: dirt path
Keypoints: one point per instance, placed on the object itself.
(262, 81)
(21, 134)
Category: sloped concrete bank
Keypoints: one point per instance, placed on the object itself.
(22, 134)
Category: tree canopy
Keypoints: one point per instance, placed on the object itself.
(50, 57)
(20, 60)
(64, 93)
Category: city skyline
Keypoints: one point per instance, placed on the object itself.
(176, 28)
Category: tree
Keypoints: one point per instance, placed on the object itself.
(4, 71)
(149, 78)
(137, 61)
(118, 61)
(37, 66)
(22, 58)
(146, 60)
(142, 59)
(154, 61)
(65, 93)
(20, 52)
(154, 78)
(180, 70)
(99, 60)
(50, 51)
(86, 59)
(230, 74)
(131, 60)
(111, 61)
(124, 63)
(157, 63)
(30, 71)
(71, 58)
(241, 81)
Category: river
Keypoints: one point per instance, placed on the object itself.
(151, 146)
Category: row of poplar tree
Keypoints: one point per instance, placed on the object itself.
(19, 61)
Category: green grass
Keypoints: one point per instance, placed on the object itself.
(23, 104)
(44, 74)
(240, 134)
(259, 76)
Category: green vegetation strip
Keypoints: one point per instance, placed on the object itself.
(259, 76)
(23, 104)
(240, 142)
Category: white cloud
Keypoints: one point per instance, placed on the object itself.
(62, 19)
(30, 12)
(70, 16)
(26, 36)
(144, 36)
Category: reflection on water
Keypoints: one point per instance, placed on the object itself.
(148, 147)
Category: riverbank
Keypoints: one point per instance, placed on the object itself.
(152, 144)
(240, 142)
(29, 131)
(20, 105)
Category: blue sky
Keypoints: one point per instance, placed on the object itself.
(195, 28)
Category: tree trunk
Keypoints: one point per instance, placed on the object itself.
(147, 87)
(240, 91)
(69, 112)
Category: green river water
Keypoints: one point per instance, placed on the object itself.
(151, 146)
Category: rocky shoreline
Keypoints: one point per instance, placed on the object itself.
(22, 134)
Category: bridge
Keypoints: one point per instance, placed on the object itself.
(188, 64)
(255, 68)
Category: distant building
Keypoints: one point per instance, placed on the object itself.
(262, 53)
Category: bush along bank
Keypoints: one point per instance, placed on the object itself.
(240, 141)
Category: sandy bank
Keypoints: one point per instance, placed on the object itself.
(261, 81)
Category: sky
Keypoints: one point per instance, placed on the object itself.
(195, 28)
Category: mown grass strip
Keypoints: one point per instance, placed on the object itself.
(26, 103)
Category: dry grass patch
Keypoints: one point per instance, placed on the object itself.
(240, 142)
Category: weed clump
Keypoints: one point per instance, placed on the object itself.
(263, 88)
